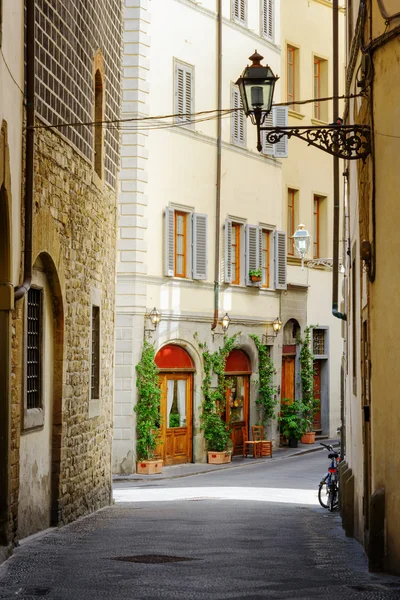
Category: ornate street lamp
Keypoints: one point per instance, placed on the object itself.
(277, 325)
(226, 321)
(302, 241)
(155, 317)
(256, 86)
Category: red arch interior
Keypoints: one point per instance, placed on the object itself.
(173, 357)
(238, 362)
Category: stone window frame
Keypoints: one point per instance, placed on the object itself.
(33, 418)
(98, 130)
(94, 403)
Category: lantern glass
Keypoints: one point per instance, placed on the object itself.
(302, 240)
(256, 86)
(155, 317)
(225, 322)
(276, 325)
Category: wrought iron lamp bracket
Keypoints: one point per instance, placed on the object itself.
(350, 142)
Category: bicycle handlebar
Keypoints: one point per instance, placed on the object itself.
(328, 447)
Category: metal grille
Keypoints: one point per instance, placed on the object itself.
(95, 372)
(34, 327)
(319, 341)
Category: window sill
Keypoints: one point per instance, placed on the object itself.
(293, 260)
(97, 181)
(94, 408)
(296, 115)
(33, 419)
(318, 122)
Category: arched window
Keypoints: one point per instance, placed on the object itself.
(98, 128)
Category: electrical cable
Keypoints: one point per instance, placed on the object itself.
(10, 73)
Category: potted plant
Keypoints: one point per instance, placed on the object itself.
(218, 441)
(307, 386)
(292, 421)
(255, 275)
(148, 413)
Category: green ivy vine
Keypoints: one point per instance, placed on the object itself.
(267, 399)
(307, 377)
(148, 404)
(216, 431)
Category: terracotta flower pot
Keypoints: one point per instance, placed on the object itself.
(255, 278)
(308, 438)
(219, 458)
(149, 467)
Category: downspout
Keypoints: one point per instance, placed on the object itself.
(336, 183)
(219, 160)
(20, 291)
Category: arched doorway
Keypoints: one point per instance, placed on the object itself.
(238, 371)
(176, 381)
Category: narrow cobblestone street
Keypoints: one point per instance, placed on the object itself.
(221, 548)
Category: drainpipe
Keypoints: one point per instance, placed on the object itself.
(20, 291)
(336, 183)
(219, 160)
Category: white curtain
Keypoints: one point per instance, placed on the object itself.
(182, 401)
(170, 397)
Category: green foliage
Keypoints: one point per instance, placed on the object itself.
(174, 420)
(216, 431)
(266, 400)
(255, 273)
(293, 424)
(307, 377)
(148, 404)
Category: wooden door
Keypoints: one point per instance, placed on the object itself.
(176, 418)
(288, 370)
(237, 410)
(317, 395)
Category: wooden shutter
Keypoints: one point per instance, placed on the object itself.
(239, 10)
(268, 149)
(183, 92)
(169, 242)
(280, 260)
(228, 251)
(280, 119)
(238, 119)
(199, 249)
(267, 18)
(252, 251)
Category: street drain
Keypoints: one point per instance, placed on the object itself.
(152, 559)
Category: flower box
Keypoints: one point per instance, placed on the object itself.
(149, 467)
(219, 458)
(255, 278)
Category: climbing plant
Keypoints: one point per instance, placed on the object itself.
(267, 399)
(216, 431)
(307, 377)
(148, 404)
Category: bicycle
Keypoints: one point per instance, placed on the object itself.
(328, 489)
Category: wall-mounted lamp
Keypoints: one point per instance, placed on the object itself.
(154, 317)
(225, 322)
(302, 240)
(276, 327)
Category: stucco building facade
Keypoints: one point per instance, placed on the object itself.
(371, 506)
(59, 382)
(200, 207)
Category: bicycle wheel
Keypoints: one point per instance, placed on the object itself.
(333, 499)
(323, 492)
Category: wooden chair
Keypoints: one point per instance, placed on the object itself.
(249, 446)
(264, 447)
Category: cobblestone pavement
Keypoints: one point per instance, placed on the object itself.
(218, 549)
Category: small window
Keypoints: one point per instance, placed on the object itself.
(238, 119)
(98, 128)
(318, 342)
(265, 257)
(317, 227)
(95, 354)
(320, 88)
(184, 84)
(239, 11)
(267, 19)
(235, 262)
(180, 244)
(292, 70)
(291, 219)
(34, 349)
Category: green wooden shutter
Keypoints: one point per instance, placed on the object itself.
(199, 248)
(252, 259)
(280, 260)
(228, 251)
(169, 242)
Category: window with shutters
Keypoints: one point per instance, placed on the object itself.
(180, 244)
(278, 117)
(319, 236)
(320, 80)
(267, 19)
(291, 218)
(280, 245)
(238, 119)
(34, 325)
(235, 253)
(184, 93)
(265, 257)
(239, 11)
(95, 354)
(185, 244)
(292, 75)
(316, 240)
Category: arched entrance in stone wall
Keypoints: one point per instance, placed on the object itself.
(176, 380)
(40, 444)
(238, 372)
